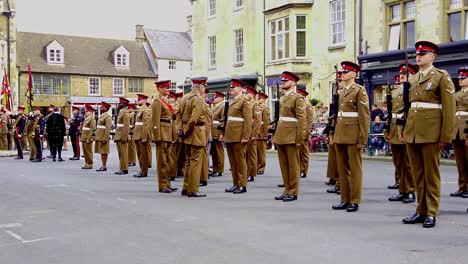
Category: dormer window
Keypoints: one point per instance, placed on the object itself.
(121, 57)
(55, 53)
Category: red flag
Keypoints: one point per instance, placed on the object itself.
(6, 90)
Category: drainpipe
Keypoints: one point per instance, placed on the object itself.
(360, 28)
(264, 49)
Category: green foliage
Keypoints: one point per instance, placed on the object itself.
(314, 101)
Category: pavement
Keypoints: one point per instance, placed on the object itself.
(57, 213)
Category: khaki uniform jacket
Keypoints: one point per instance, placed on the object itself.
(161, 118)
(256, 119)
(288, 132)
(265, 123)
(218, 118)
(3, 124)
(462, 106)
(193, 121)
(397, 106)
(35, 127)
(87, 129)
(235, 131)
(431, 125)
(353, 130)
(29, 127)
(131, 117)
(176, 109)
(123, 126)
(103, 128)
(142, 124)
(208, 121)
(310, 118)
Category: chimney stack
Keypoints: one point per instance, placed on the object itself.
(140, 33)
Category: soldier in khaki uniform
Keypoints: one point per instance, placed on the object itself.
(251, 151)
(238, 130)
(29, 131)
(149, 147)
(458, 140)
(178, 146)
(122, 128)
(263, 133)
(217, 149)
(430, 125)
(289, 135)
(208, 119)
(101, 138)
(142, 137)
(405, 180)
(163, 135)
(132, 157)
(38, 133)
(87, 130)
(193, 133)
(304, 148)
(351, 133)
(3, 130)
(332, 165)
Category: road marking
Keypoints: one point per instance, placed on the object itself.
(10, 225)
(125, 200)
(86, 191)
(58, 185)
(22, 240)
(179, 220)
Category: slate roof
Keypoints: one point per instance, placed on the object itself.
(82, 55)
(170, 45)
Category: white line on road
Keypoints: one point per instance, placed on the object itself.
(10, 225)
(58, 185)
(86, 191)
(22, 240)
(125, 200)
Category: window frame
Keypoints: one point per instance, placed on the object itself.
(404, 20)
(172, 64)
(332, 23)
(57, 85)
(305, 36)
(285, 34)
(99, 86)
(463, 10)
(239, 48)
(236, 6)
(132, 88)
(211, 12)
(212, 52)
(114, 86)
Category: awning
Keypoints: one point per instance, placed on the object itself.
(222, 83)
(81, 100)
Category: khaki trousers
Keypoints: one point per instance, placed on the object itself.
(349, 161)
(132, 156)
(205, 170)
(173, 159)
(122, 150)
(88, 153)
(237, 160)
(162, 164)
(332, 166)
(261, 155)
(461, 157)
(288, 156)
(4, 141)
(217, 155)
(251, 155)
(424, 160)
(193, 168)
(304, 156)
(149, 150)
(143, 156)
(403, 168)
(32, 148)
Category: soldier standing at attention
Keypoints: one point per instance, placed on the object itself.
(132, 157)
(263, 133)
(290, 135)
(38, 133)
(217, 149)
(304, 148)
(149, 147)
(432, 106)
(351, 133)
(208, 119)
(20, 124)
(103, 128)
(178, 146)
(193, 133)
(458, 140)
(30, 136)
(87, 130)
(251, 151)
(73, 131)
(163, 135)
(237, 133)
(172, 97)
(122, 129)
(3, 130)
(405, 180)
(141, 135)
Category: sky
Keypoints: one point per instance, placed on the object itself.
(100, 18)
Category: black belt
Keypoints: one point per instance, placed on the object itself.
(196, 124)
(165, 121)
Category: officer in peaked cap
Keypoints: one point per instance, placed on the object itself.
(304, 148)
(251, 151)
(217, 149)
(87, 130)
(103, 128)
(142, 135)
(122, 129)
(263, 132)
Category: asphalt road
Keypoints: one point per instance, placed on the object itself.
(57, 213)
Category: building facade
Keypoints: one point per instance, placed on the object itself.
(72, 71)
(8, 45)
